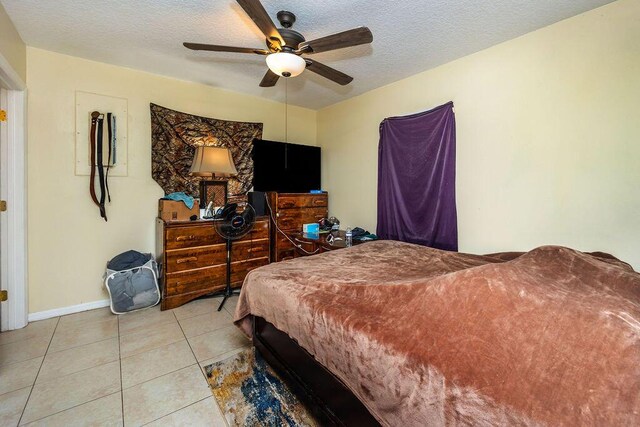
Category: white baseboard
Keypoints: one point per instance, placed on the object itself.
(48, 314)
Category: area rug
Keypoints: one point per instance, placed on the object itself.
(250, 393)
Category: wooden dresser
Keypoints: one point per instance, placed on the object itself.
(290, 211)
(193, 258)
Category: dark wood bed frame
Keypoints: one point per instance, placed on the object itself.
(323, 393)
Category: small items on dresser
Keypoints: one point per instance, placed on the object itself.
(178, 207)
(257, 199)
(313, 228)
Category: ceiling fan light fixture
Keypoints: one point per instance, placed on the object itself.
(286, 64)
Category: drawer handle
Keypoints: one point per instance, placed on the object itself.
(254, 249)
(187, 259)
(319, 202)
(287, 204)
(181, 238)
(319, 217)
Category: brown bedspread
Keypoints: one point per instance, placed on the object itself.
(427, 337)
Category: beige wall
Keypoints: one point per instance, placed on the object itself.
(548, 138)
(12, 48)
(69, 243)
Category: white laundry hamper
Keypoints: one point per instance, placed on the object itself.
(135, 287)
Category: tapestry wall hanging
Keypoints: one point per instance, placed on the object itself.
(174, 136)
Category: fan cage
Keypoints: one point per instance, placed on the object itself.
(237, 225)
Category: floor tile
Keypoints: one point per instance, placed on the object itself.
(23, 350)
(154, 399)
(87, 316)
(19, 375)
(55, 395)
(148, 340)
(76, 359)
(203, 323)
(39, 329)
(197, 307)
(204, 413)
(157, 362)
(231, 304)
(220, 357)
(11, 406)
(105, 411)
(144, 320)
(212, 344)
(79, 333)
(79, 378)
(98, 324)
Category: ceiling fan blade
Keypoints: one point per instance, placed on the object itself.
(328, 72)
(216, 48)
(270, 79)
(354, 37)
(256, 12)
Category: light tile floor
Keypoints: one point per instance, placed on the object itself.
(94, 368)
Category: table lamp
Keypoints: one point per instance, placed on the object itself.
(212, 162)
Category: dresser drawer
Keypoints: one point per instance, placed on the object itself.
(260, 230)
(210, 279)
(305, 249)
(282, 242)
(239, 269)
(285, 254)
(205, 235)
(207, 256)
(198, 257)
(292, 219)
(302, 201)
(190, 236)
(246, 250)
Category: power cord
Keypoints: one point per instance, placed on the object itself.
(275, 223)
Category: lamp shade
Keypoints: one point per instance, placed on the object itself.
(286, 64)
(209, 161)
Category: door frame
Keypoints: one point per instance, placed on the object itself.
(13, 189)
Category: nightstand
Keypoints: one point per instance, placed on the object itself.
(311, 244)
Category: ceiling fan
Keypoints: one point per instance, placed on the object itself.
(285, 46)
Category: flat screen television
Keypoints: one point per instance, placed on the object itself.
(284, 167)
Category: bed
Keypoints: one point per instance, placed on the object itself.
(416, 336)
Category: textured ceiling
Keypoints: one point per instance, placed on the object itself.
(410, 36)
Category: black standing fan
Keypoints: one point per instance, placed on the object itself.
(232, 226)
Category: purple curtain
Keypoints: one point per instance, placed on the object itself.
(416, 179)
